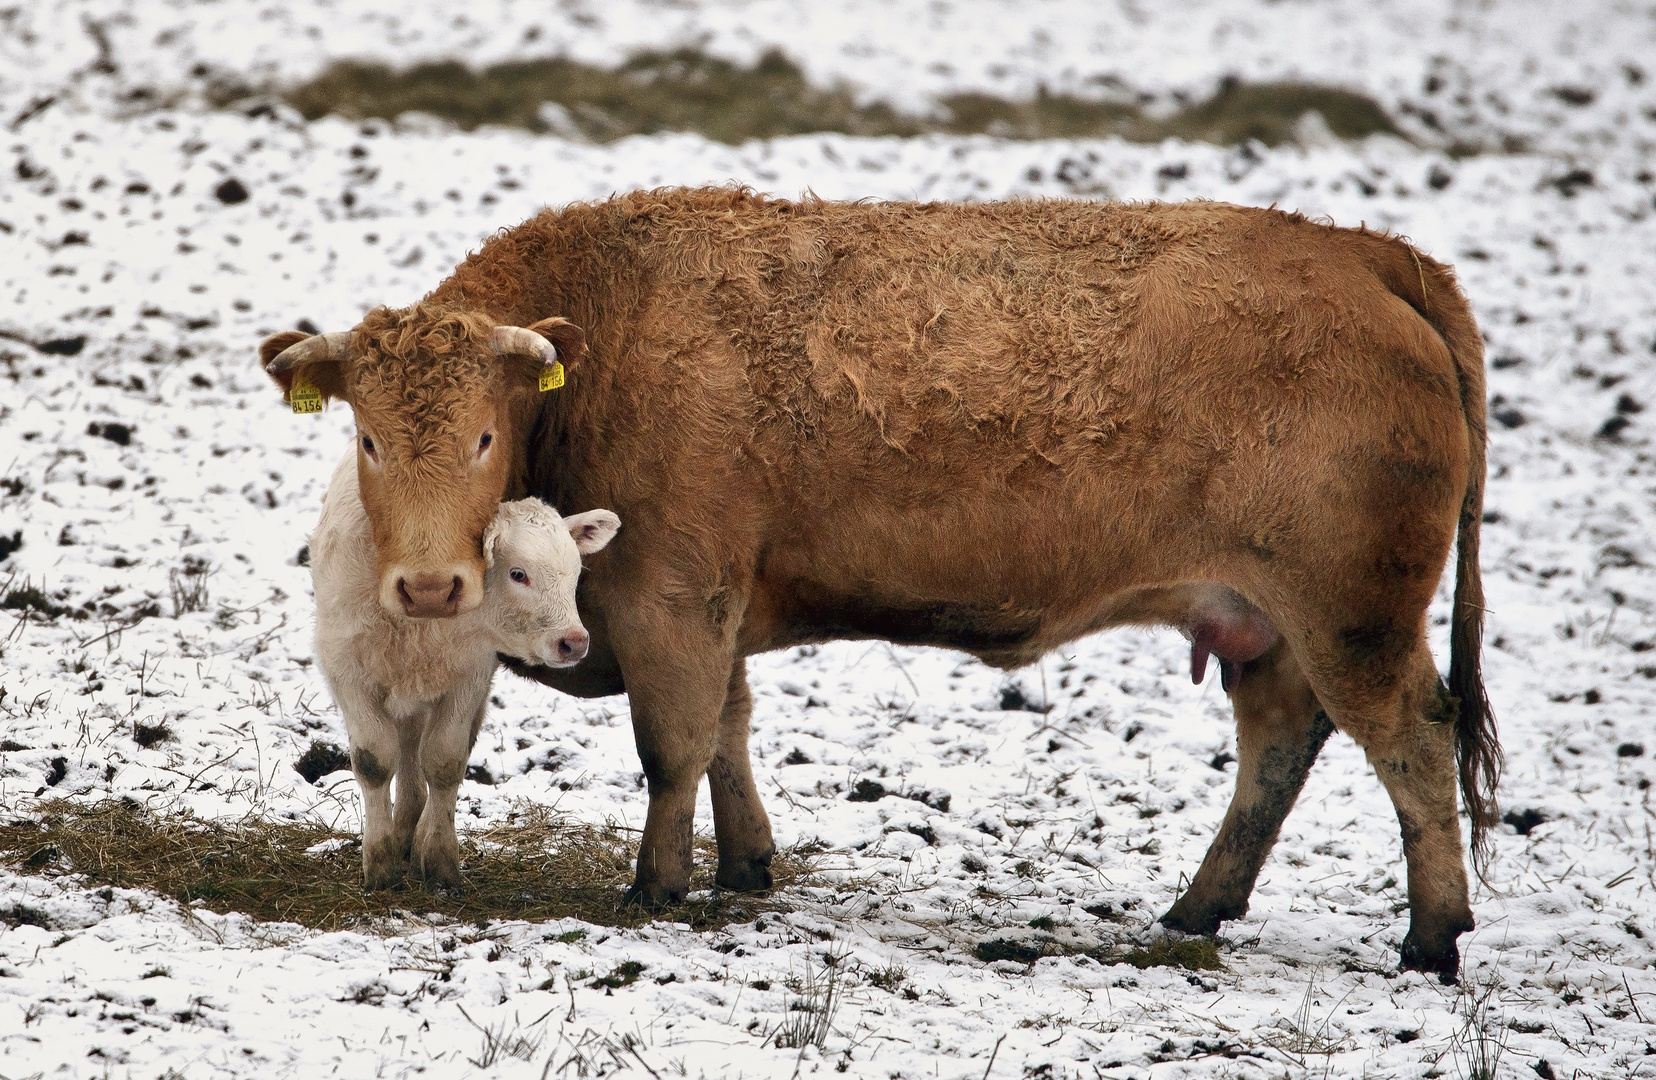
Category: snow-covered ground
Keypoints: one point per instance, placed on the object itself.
(141, 450)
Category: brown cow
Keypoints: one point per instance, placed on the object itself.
(993, 428)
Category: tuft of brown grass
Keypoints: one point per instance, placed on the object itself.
(688, 90)
(680, 90)
(1192, 954)
(536, 866)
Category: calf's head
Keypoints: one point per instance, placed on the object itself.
(443, 399)
(534, 558)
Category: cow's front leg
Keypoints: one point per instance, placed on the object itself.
(1280, 729)
(740, 824)
(444, 748)
(677, 669)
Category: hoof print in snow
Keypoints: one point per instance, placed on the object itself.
(1524, 821)
(231, 192)
(1572, 182)
(866, 790)
(1014, 699)
(69, 346)
(1019, 952)
(147, 735)
(119, 434)
(1612, 428)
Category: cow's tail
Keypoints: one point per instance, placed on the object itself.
(1429, 287)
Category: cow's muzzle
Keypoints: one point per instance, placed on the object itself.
(438, 594)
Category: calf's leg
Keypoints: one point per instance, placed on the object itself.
(374, 738)
(447, 742)
(411, 784)
(1280, 729)
(740, 823)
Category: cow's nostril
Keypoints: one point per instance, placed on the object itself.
(402, 592)
(454, 593)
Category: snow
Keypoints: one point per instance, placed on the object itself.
(112, 235)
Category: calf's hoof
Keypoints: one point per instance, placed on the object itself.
(439, 870)
(1442, 960)
(744, 875)
(382, 870)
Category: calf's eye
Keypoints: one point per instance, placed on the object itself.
(518, 576)
(368, 444)
(483, 443)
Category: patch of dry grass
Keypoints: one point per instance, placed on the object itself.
(537, 866)
(689, 90)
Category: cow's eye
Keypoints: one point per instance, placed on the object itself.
(368, 444)
(518, 576)
(483, 443)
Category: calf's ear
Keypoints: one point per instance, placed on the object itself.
(491, 542)
(569, 338)
(327, 375)
(592, 530)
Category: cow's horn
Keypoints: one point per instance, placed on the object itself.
(516, 341)
(315, 349)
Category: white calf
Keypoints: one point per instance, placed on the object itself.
(413, 691)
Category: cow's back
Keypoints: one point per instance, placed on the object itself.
(975, 421)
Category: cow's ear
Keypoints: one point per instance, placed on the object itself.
(569, 338)
(326, 376)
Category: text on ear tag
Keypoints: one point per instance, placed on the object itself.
(304, 397)
(550, 377)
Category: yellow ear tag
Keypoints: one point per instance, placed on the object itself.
(552, 377)
(304, 397)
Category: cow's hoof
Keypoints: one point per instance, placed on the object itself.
(744, 875)
(1199, 920)
(1443, 961)
(654, 896)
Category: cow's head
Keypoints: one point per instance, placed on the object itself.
(443, 397)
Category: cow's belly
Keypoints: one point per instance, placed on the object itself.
(815, 614)
(1010, 634)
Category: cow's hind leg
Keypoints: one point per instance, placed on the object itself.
(1280, 729)
(1411, 745)
(740, 823)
